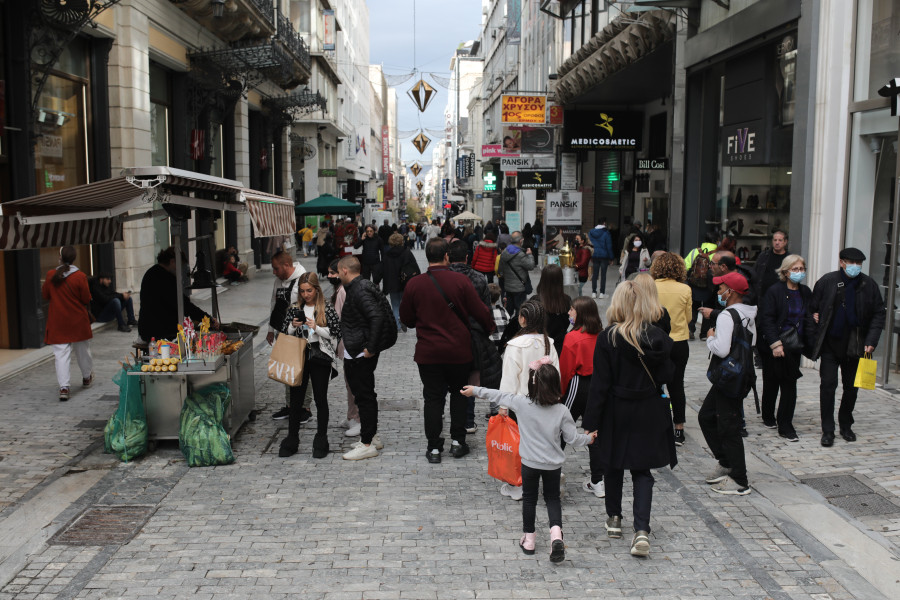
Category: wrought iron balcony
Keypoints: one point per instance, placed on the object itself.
(240, 18)
(292, 41)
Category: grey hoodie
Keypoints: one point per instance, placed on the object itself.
(720, 344)
(539, 427)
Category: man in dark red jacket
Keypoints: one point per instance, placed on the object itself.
(438, 305)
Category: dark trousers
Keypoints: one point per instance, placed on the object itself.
(576, 401)
(680, 354)
(530, 480)
(320, 375)
(705, 323)
(113, 310)
(360, 374)
(642, 483)
(599, 268)
(437, 380)
(513, 301)
(720, 422)
(828, 369)
(776, 376)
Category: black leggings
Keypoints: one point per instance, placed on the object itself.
(320, 375)
(530, 479)
(576, 401)
(680, 354)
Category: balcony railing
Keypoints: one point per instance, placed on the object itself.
(266, 8)
(292, 41)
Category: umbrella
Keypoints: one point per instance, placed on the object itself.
(467, 216)
(325, 204)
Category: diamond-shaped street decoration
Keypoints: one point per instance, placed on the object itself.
(416, 169)
(422, 94)
(421, 142)
(419, 185)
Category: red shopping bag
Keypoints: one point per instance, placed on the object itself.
(502, 444)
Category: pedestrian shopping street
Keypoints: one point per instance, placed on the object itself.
(398, 527)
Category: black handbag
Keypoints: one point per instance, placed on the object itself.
(790, 340)
(316, 355)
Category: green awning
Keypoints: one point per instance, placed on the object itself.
(328, 204)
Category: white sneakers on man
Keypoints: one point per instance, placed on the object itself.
(360, 451)
(353, 428)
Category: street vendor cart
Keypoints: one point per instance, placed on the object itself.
(94, 213)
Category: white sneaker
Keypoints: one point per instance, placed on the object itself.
(593, 294)
(597, 489)
(361, 451)
(353, 430)
(512, 491)
(376, 441)
(602, 296)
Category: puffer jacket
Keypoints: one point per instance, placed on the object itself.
(484, 257)
(602, 242)
(364, 323)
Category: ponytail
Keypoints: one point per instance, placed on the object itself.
(67, 256)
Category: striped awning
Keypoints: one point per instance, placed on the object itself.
(271, 214)
(15, 235)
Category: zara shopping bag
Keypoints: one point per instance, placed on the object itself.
(865, 373)
(287, 360)
(502, 441)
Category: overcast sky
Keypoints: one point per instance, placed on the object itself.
(440, 27)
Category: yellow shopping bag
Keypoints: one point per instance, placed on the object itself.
(865, 373)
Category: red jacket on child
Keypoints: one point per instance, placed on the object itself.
(577, 357)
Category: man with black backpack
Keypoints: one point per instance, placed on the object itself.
(697, 262)
(731, 374)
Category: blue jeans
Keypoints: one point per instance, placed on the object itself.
(600, 265)
(396, 297)
(113, 310)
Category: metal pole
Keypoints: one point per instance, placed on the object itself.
(890, 295)
(176, 241)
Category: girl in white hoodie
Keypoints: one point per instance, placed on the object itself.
(530, 344)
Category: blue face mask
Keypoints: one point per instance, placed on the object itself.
(721, 299)
(853, 270)
(798, 277)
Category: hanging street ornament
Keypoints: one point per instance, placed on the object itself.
(416, 169)
(421, 142)
(419, 185)
(422, 94)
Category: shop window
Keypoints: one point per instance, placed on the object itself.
(160, 124)
(877, 51)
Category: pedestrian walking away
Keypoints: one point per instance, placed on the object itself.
(485, 255)
(634, 427)
(367, 328)
(542, 421)
(399, 266)
(601, 239)
(720, 414)
(68, 321)
(849, 309)
(788, 331)
(315, 319)
(556, 304)
(439, 304)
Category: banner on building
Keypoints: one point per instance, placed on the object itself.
(389, 187)
(470, 165)
(537, 140)
(563, 208)
(513, 22)
(494, 150)
(385, 149)
(444, 184)
(555, 114)
(328, 27)
(599, 130)
(536, 180)
(523, 109)
(568, 171)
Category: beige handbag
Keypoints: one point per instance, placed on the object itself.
(288, 359)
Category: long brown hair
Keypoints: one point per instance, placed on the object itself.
(67, 256)
(587, 317)
(550, 290)
(312, 280)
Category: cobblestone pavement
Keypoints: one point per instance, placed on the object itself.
(398, 527)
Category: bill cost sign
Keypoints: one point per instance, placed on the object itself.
(523, 109)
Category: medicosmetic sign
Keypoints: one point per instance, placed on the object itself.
(523, 109)
(599, 130)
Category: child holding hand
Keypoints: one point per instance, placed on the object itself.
(542, 420)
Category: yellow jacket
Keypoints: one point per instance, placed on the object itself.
(306, 233)
(705, 247)
(676, 298)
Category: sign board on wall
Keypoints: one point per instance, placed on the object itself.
(599, 130)
(563, 208)
(652, 164)
(523, 109)
(494, 150)
(328, 26)
(742, 144)
(537, 140)
(536, 180)
(514, 220)
(514, 163)
(568, 171)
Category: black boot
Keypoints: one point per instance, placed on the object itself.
(320, 446)
(289, 447)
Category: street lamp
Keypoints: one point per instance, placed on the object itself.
(218, 8)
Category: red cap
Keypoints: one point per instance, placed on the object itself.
(734, 281)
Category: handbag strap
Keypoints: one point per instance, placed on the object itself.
(643, 364)
(449, 302)
(513, 270)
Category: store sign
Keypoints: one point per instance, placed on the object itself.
(564, 208)
(742, 144)
(537, 140)
(568, 171)
(470, 165)
(50, 146)
(444, 184)
(495, 150)
(523, 109)
(327, 172)
(598, 130)
(536, 180)
(513, 164)
(555, 114)
(328, 26)
(653, 164)
(385, 149)
(490, 182)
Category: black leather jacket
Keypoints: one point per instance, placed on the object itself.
(362, 321)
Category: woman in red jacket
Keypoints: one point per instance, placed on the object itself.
(68, 323)
(583, 251)
(485, 256)
(576, 364)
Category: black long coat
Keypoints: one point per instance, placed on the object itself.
(634, 422)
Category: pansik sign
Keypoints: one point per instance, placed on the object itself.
(596, 130)
(527, 162)
(564, 208)
(523, 109)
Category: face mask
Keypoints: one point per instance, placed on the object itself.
(637, 243)
(798, 277)
(571, 321)
(721, 299)
(335, 281)
(852, 270)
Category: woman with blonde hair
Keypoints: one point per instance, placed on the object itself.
(788, 329)
(631, 362)
(314, 318)
(648, 296)
(669, 274)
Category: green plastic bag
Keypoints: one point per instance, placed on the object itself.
(125, 434)
(203, 440)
